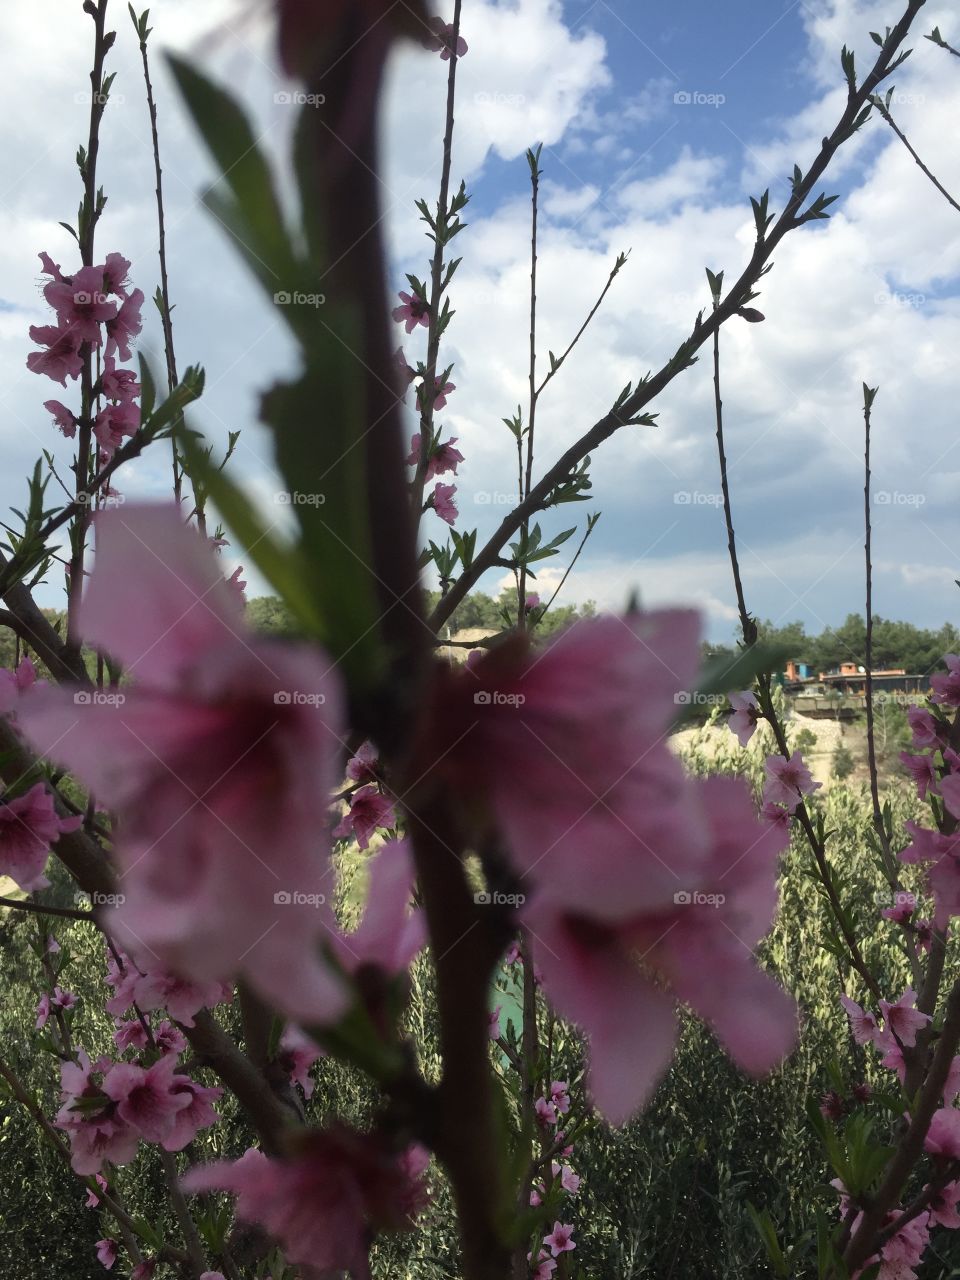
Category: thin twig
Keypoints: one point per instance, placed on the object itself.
(882, 108)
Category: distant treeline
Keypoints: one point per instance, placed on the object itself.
(895, 644)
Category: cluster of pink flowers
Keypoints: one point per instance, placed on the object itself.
(148, 991)
(441, 456)
(549, 1111)
(621, 854)
(29, 825)
(935, 767)
(322, 1202)
(108, 1107)
(95, 309)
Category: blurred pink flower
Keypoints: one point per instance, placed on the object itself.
(321, 1204)
(746, 713)
(216, 771)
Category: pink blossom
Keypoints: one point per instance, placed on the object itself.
(405, 375)
(943, 1136)
(82, 304)
(560, 1239)
(832, 1106)
(125, 326)
(413, 309)
(363, 766)
(493, 1022)
(950, 790)
(43, 1011)
(146, 1099)
(115, 422)
(215, 772)
(61, 360)
(746, 713)
(925, 728)
(943, 876)
(546, 1266)
(118, 384)
(198, 1114)
(902, 1019)
(440, 391)
(442, 40)
(297, 1055)
(63, 417)
(892, 1059)
(144, 1270)
(443, 457)
(946, 687)
(96, 1134)
(442, 502)
(788, 781)
(777, 816)
(569, 1180)
(905, 905)
(322, 1204)
(546, 1112)
(513, 955)
(369, 810)
(106, 1253)
(922, 770)
(559, 1096)
(567, 744)
(696, 951)
(863, 1024)
(389, 934)
(29, 825)
(63, 999)
(943, 1206)
(93, 1199)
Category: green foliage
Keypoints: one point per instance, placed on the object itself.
(843, 762)
(895, 644)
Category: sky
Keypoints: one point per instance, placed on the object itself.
(657, 124)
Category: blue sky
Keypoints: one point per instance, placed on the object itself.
(872, 296)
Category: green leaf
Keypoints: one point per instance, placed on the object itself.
(282, 566)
